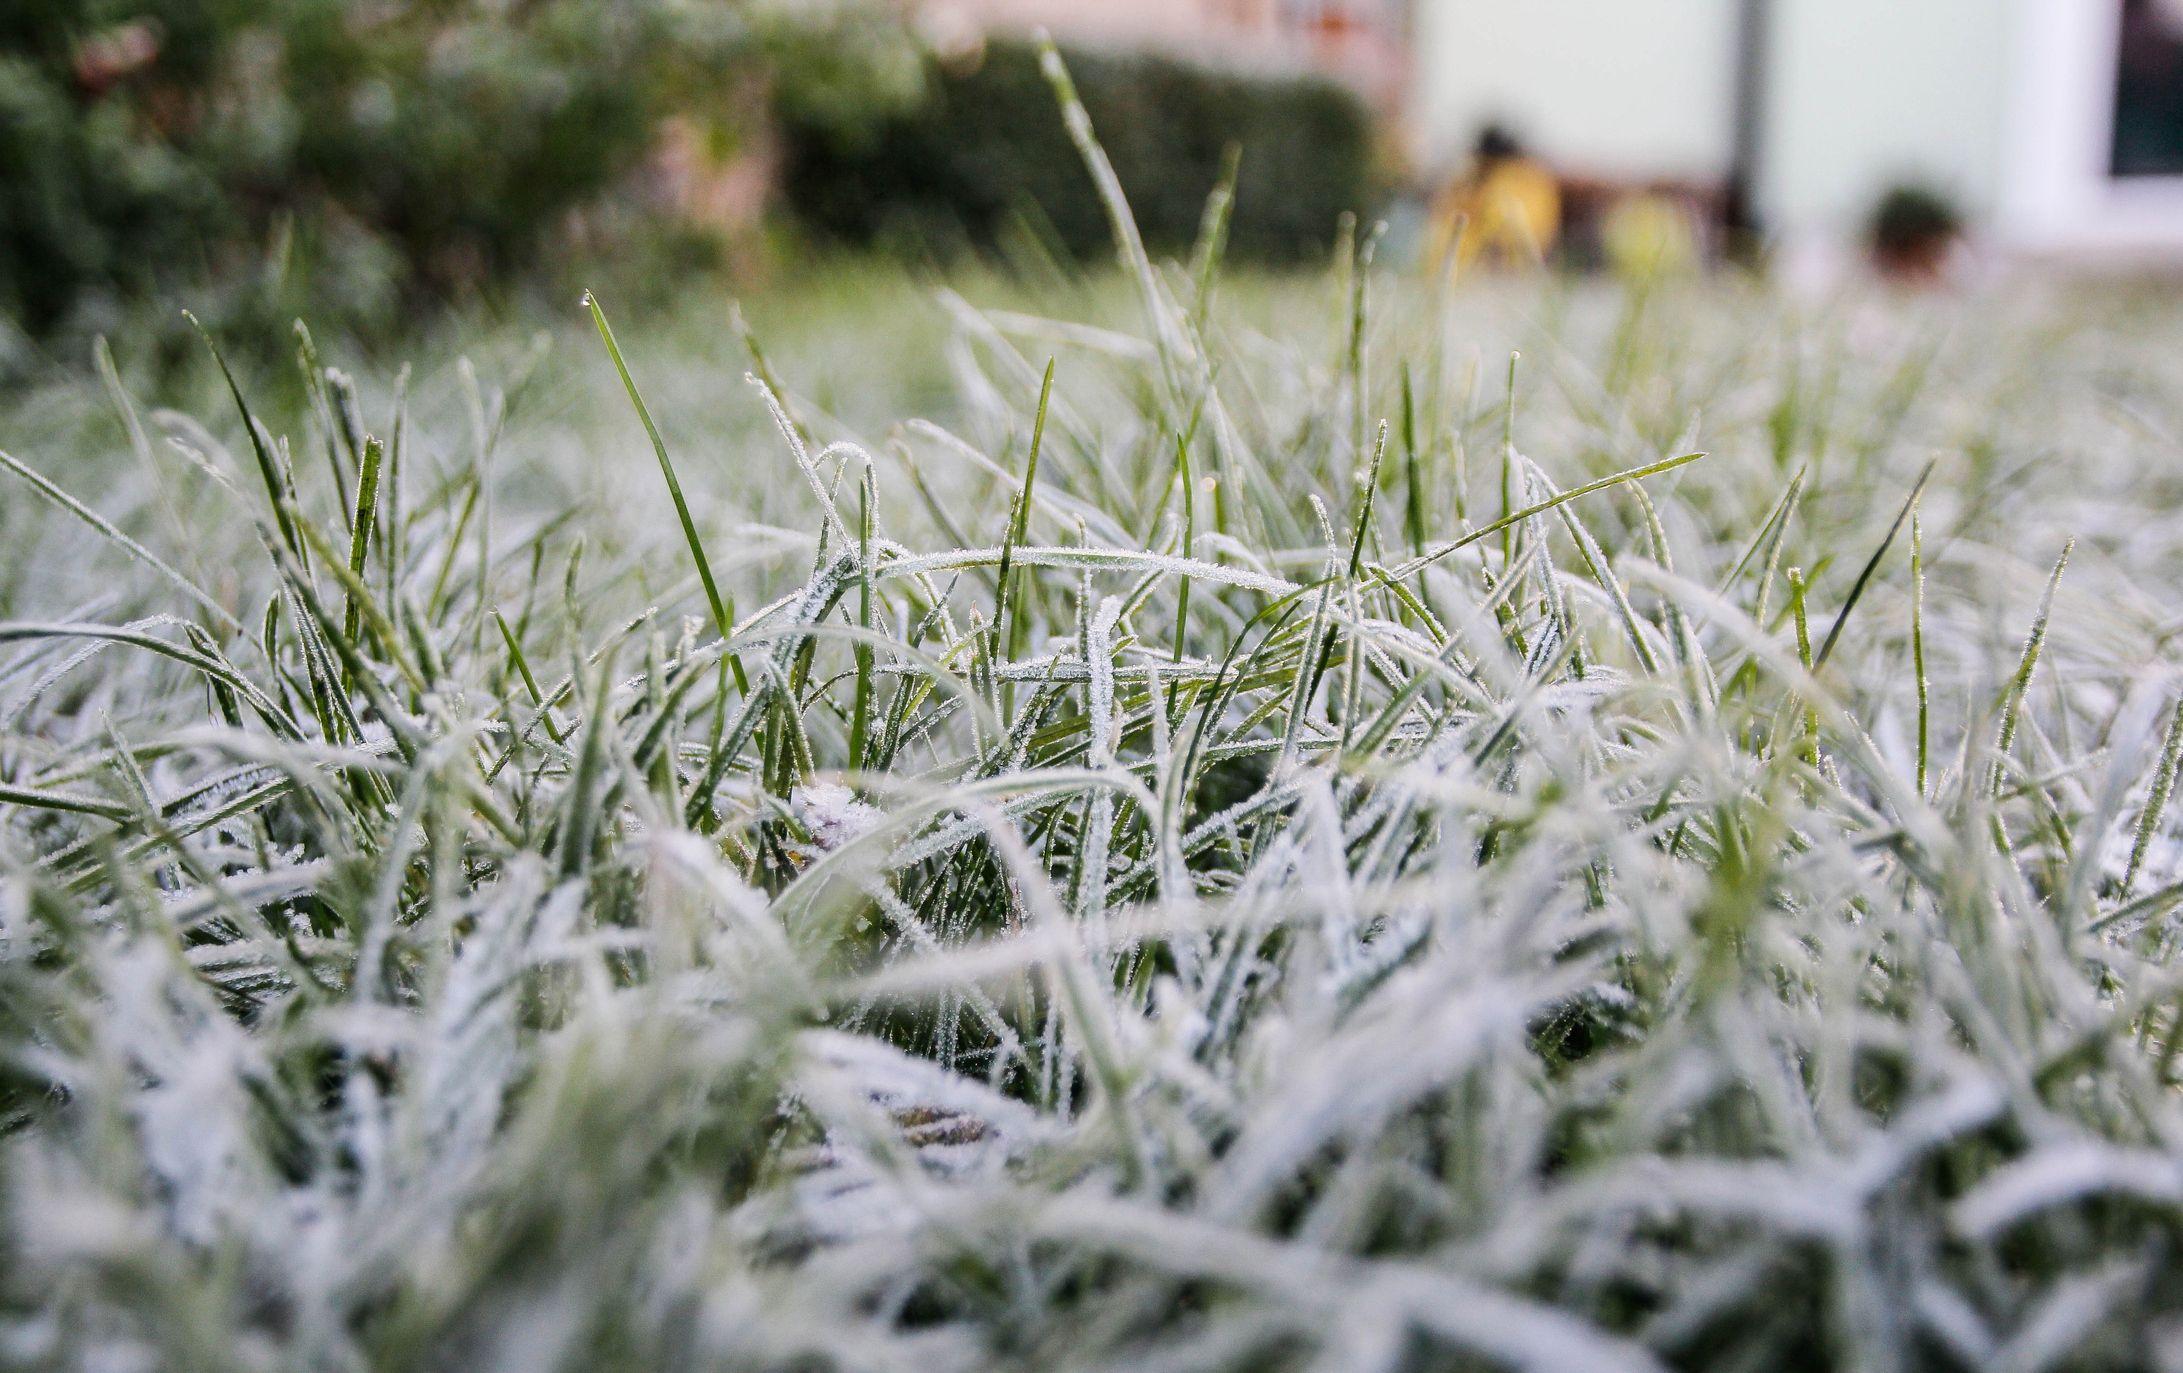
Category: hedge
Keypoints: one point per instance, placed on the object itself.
(416, 149)
(987, 149)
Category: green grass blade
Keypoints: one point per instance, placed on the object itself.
(723, 616)
(1415, 565)
(1864, 577)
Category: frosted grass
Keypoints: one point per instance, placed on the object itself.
(1351, 902)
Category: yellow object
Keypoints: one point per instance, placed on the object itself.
(1506, 213)
(1650, 236)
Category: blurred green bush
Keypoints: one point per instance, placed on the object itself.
(392, 146)
(986, 151)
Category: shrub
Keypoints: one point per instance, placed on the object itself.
(86, 197)
(985, 149)
(447, 139)
(1909, 215)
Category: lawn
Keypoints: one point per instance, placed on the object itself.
(1158, 820)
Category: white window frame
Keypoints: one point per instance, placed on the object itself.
(2057, 193)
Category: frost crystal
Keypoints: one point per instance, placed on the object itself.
(832, 814)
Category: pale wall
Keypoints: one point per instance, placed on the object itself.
(1638, 88)
(1870, 92)
(1195, 25)
(2001, 103)
(2057, 196)
(1861, 93)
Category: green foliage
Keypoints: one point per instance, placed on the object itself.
(434, 143)
(1909, 216)
(986, 148)
(85, 198)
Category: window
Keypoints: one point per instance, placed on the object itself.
(2148, 124)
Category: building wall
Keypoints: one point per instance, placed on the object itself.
(1618, 88)
(2002, 104)
(1360, 42)
(1860, 94)
(1867, 93)
(1192, 24)
(2056, 195)
(2005, 104)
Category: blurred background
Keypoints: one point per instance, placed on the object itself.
(368, 163)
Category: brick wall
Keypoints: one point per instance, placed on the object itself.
(1359, 41)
